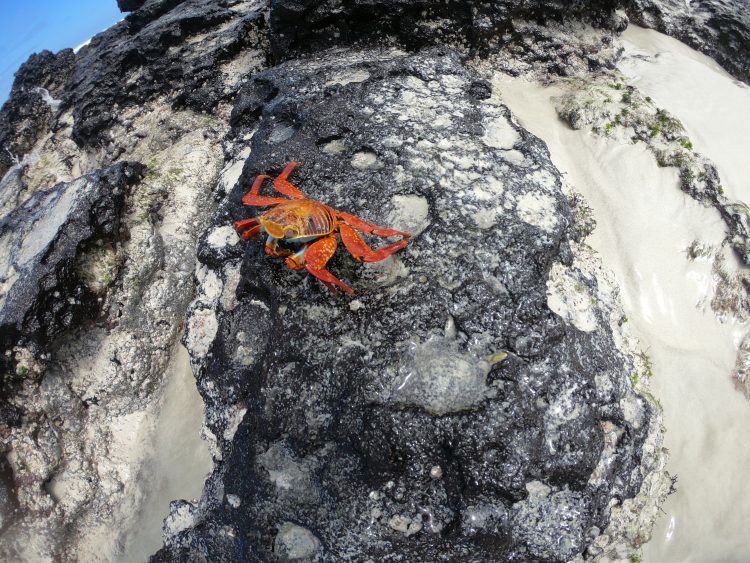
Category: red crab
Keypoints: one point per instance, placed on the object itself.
(312, 225)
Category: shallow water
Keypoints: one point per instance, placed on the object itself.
(713, 106)
(709, 517)
(645, 223)
(177, 462)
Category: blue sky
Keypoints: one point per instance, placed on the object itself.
(30, 26)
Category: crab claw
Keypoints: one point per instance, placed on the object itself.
(314, 258)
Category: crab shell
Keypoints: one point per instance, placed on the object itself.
(299, 221)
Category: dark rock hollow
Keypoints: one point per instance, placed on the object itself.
(41, 240)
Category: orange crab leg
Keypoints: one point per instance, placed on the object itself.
(282, 186)
(315, 256)
(250, 233)
(253, 199)
(369, 228)
(361, 251)
(247, 228)
(243, 224)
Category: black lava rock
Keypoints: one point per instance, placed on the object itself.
(130, 5)
(151, 44)
(27, 113)
(444, 414)
(41, 241)
(305, 25)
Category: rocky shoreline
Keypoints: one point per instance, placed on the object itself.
(474, 399)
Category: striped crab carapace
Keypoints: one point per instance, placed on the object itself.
(311, 226)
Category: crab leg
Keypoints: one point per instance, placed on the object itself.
(243, 224)
(251, 232)
(282, 186)
(272, 250)
(314, 257)
(361, 251)
(369, 228)
(247, 228)
(253, 199)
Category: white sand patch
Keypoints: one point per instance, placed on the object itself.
(570, 299)
(231, 281)
(349, 76)
(410, 214)
(363, 160)
(231, 173)
(144, 449)
(223, 236)
(186, 516)
(247, 62)
(235, 416)
(645, 223)
(202, 328)
(538, 209)
(499, 134)
(334, 147)
(210, 283)
(486, 218)
(177, 444)
(514, 157)
(489, 188)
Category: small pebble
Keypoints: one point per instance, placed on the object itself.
(436, 472)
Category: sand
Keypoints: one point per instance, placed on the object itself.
(645, 224)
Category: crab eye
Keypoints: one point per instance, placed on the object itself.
(274, 229)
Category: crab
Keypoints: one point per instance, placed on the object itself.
(312, 226)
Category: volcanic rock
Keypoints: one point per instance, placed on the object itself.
(473, 399)
(42, 294)
(330, 413)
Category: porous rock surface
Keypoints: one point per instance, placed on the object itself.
(447, 412)
(40, 241)
(183, 50)
(130, 5)
(111, 180)
(26, 113)
(474, 400)
(480, 26)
